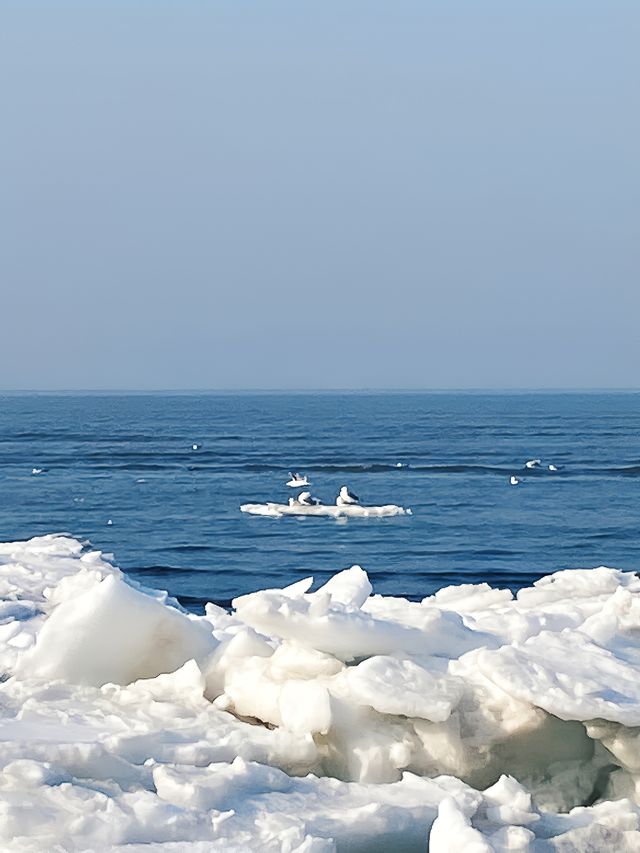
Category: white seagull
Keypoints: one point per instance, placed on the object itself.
(297, 481)
(346, 498)
(305, 499)
(514, 480)
(35, 471)
(552, 468)
(532, 463)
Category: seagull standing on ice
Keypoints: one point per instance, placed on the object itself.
(305, 499)
(347, 498)
(514, 480)
(297, 481)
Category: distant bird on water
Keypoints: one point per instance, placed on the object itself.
(532, 463)
(514, 480)
(347, 498)
(297, 481)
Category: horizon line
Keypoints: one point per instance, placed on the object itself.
(354, 390)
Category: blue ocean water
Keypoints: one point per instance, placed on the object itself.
(176, 523)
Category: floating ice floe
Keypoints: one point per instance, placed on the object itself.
(277, 510)
(327, 720)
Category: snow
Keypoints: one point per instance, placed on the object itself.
(326, 720)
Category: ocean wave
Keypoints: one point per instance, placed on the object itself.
(188, 549)
(384, 467)
(232, 462)
(624, 470)
(315, 721)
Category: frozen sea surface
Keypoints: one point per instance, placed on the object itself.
(174, 511)
(314, 718)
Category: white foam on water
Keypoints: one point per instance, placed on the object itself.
(315, 721)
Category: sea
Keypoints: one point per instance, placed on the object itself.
(120, 472)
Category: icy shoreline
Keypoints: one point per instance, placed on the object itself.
(315, 721)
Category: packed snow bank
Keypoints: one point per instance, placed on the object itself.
(276, 510)
(319, 720)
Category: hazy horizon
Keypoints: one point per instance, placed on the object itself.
(302, 391)
(363, 196)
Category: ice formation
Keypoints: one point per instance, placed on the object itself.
(276, 510)
(334, 720)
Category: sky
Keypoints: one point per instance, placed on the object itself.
(361, 194)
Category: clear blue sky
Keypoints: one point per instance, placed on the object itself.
(319, 195)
